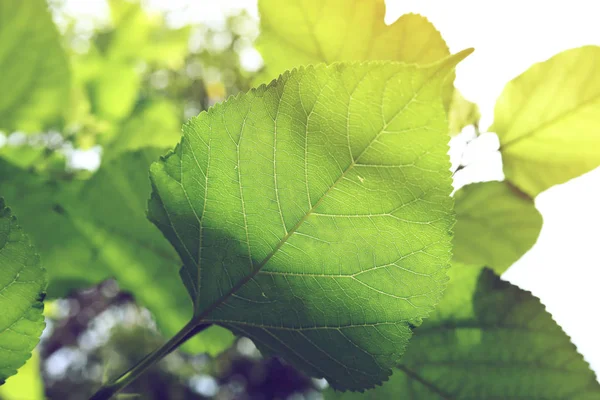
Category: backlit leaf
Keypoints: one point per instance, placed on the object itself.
(324, 31)
(313, 215)
(22, 290)
(548, 121)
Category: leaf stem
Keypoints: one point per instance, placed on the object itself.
(110, 389)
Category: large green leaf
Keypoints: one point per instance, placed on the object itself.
(488, 340)
(313, 215)
(34, 81)
(548, 120)
(496, 224)
(323, 31)
(22, 291)
(88, 231)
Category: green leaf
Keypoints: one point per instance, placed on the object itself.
(35, 77)
(313, 215)
(27, 384)
(103, 233)
(324, 31)
(22, 291)
(496, 224)
(489, 340)
(547, 120)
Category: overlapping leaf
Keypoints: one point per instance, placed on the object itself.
(324, 31)
(22, 290)
(487, 340)
(103, 233)
(34, 81)
(547, 120)
(496, 224)
(313, 215)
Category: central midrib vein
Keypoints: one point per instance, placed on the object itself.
(283, 240)
(200, 317)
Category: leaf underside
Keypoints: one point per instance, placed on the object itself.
(313, 215)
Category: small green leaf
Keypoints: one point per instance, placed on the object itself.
(313, 215)
(487, 340)
(495, 225)
(548, 120)
(22, 290)
(35, 77)
(104, 233)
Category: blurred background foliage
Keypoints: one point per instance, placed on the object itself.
(135, 77)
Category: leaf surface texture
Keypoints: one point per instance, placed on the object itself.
(313, 215)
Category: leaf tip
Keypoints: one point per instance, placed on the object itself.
(445, 66)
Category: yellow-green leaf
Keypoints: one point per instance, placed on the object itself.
(307, 32)
(548, 121)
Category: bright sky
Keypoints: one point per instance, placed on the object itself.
(563, 268)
